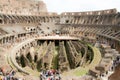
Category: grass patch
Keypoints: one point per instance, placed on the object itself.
(81, 72)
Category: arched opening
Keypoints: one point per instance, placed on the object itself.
(1, 21)
(67, 21)
(31, 30)
(29, 21)
(29, 57)
(48, 28)
(35, 58)
(22, 60)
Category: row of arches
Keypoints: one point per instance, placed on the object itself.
(13, 19)
(108, 19)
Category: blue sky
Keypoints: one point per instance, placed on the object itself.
(81, 5)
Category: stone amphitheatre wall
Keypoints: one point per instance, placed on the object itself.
(100, 12)
(96, 26)
(105, 17)
(104, 24)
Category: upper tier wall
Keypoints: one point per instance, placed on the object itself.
(100, 12)
(104, 17)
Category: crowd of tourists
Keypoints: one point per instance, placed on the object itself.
(116, 62)
(50, 75)
(8, 75)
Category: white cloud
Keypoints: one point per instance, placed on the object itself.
(80, 5)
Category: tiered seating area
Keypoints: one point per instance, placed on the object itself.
(88, 30)
(48, 28)
(106, 63)
(100, 32)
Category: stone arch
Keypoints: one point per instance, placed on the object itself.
(1, 21)
(31, 29)
(31, 44)
(22, 60)
(23, 47)
(29, 56)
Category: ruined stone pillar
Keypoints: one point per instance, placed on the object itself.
(4, 40)
(1, 41)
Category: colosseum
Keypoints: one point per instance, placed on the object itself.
(39, 45)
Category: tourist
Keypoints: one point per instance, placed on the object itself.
(1, 72)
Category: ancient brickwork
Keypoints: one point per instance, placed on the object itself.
(22, 7)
